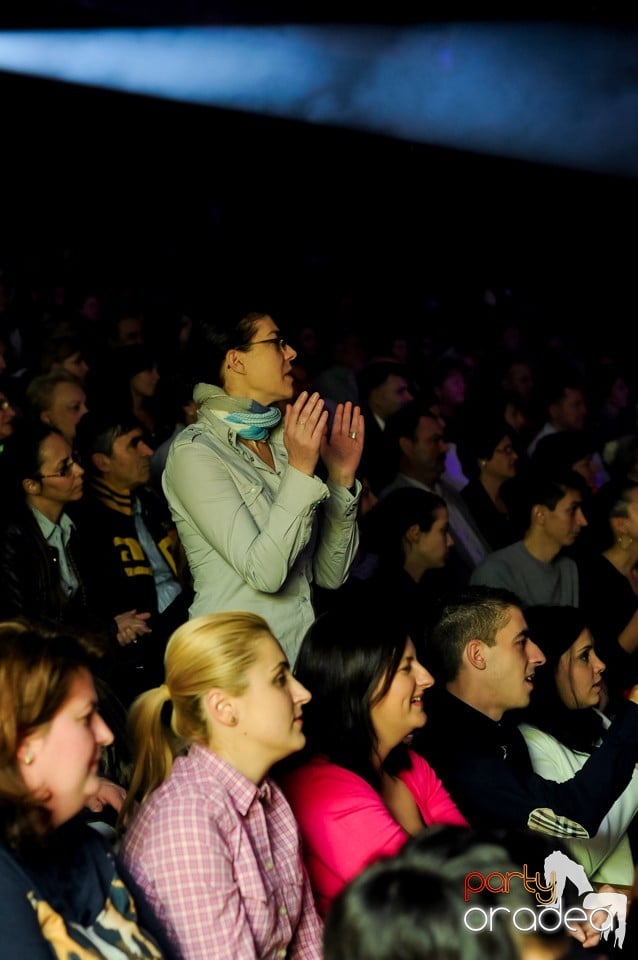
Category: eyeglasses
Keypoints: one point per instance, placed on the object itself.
(66, 470)
(280, 341)
(508, 451)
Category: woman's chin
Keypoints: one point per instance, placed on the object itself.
(416, 725)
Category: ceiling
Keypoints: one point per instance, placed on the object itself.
(103, 158)
(25, 14)
(559, 86)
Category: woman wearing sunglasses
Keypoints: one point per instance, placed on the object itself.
(260, 519)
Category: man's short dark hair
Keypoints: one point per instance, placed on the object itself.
(97, 432)
(473, 613)
(376, 372)
(405, 421)
(547, 487)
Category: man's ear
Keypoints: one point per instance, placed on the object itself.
(554, 409)
(220, 707)
(474, 654)
(101, 462)
(413, 533)
(539, 511)
(405, 446)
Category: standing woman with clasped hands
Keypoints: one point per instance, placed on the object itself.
(258, 525)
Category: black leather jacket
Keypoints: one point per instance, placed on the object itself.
(30, 582)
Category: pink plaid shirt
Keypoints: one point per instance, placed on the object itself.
(219, 860)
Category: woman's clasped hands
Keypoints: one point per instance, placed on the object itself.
(308, 436)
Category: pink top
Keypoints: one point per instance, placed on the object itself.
(345, 823)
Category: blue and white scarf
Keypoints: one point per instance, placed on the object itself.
(248, 418)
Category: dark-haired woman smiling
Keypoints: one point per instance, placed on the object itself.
(359, 791)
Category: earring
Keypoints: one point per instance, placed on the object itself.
(482, 464)
(28, 758)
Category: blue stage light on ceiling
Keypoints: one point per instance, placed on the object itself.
(563, 94)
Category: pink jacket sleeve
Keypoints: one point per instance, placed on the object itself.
(434, 802)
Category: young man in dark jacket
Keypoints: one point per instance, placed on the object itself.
(138, 561)
(481, 652)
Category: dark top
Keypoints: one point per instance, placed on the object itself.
(497, 528)
(106, 519)
(30, 581)
(413, 601)
(122, 576)
(9, 484)
(79, 882)
(486, 767)
(30, 586)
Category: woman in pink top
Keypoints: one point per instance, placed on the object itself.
(358, 791)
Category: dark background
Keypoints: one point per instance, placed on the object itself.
(87, 13)
(192, 198)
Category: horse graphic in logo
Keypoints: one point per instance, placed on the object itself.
(559, 869)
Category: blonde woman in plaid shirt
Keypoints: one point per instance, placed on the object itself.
(211, 839)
